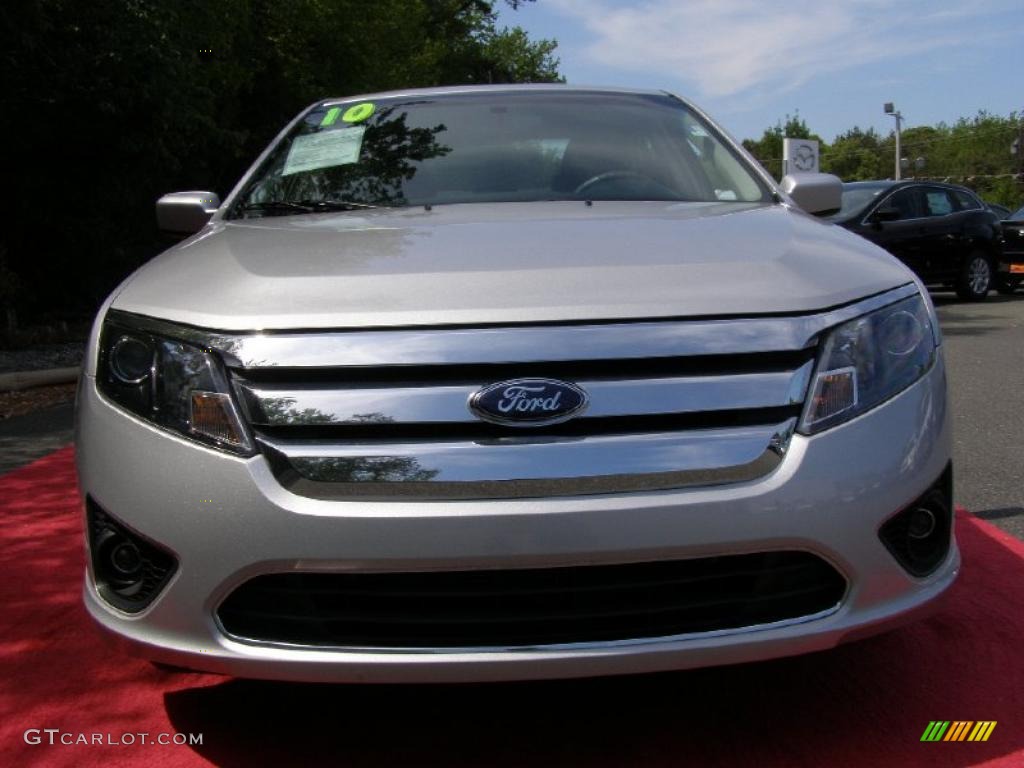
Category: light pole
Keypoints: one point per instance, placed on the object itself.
(1017, 146)
(890, 110)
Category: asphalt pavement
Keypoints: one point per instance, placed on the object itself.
(25, 438)
(985, 357)
(984, 344)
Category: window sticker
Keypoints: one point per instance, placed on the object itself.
(359, 112)
(324, 150)
(331, 116)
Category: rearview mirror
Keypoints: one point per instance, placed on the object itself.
(185, 213)
(817, 193)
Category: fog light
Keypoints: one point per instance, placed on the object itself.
(921, 523)
(919, 536)
(118, 563)
(128, 570)
(126, 559)
(213, 416)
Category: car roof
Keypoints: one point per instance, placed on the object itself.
(880, 184)
(513, 88)
(891, 184)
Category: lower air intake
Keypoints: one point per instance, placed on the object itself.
(531, 607)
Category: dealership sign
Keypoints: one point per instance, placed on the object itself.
(799, 156)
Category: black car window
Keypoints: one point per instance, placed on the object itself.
(937, 202)
(856, 197)
(903, 201)
(967, 201)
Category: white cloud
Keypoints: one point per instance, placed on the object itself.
(726, 47)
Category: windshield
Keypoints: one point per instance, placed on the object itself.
(856, 198)
(1017, 215)
(497, 147)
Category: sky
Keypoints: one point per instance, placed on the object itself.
(750, 63)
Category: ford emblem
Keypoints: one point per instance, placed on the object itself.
(528, 402)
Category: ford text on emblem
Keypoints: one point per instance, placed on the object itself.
(528, 402)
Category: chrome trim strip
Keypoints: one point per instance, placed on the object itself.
(289, 405)
(926, 185)
(515, 467)
(553, 647)
(517, 344)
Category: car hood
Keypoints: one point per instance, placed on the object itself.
(508, 263)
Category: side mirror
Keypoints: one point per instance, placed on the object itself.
(185, 213)
(886, 213)
(817, 193)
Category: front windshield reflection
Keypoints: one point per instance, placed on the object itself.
(498, 147)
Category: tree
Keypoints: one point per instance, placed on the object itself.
(114, 102)
(855, 155)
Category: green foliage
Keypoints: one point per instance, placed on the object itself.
(511, 57)
(111, 103)
(855, 155)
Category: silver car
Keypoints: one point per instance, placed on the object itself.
(511, 382)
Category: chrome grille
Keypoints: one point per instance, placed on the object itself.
(345, 402)
(387, 431)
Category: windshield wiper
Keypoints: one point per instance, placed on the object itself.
(277, 205)
(336, 205)
(306, 206)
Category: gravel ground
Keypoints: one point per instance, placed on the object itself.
(24, 401)
(41, 357)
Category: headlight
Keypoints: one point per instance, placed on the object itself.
(866, 361)
(170, 383)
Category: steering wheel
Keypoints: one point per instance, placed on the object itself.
(622, 173)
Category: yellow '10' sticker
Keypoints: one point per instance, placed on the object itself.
(358, 113)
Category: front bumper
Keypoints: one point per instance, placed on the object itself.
(228, 519)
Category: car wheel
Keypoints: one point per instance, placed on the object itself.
(1007, 285)
(975, 278)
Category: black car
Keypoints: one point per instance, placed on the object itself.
(999, 210)
(1011, 264)
(942, 232)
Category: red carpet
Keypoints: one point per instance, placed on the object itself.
(865, 704)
